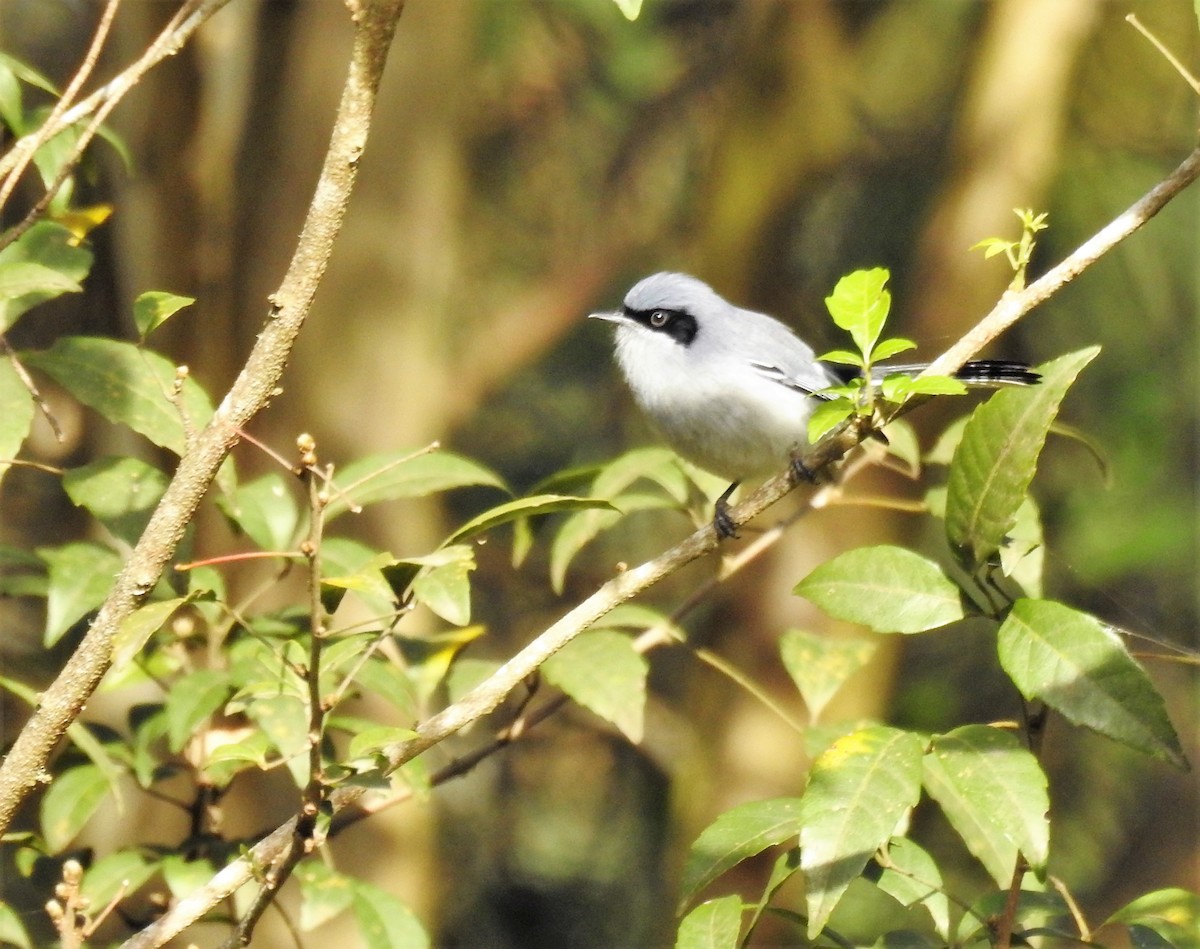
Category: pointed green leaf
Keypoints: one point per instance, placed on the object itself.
(584, 526)
(859, 304)
(912, 877)
(738, 834)
(384, 922)
(844, 357)
(859, 790)
(155, 307)
(266, 510)
(50, 247)
(397, 475)
(522, 508)
(137, 628)
(888, 348)
(121, 493)
(1080, 668)
(1172, 915)
(827, 416)
(81, 574)
(127, 385)
(427, 659)
(70, 802)
(820, 665)
(996, 458)
(324, 893)
(629, 8)
(123, 871)
(889, 589)
(444, 582)
(603, 673)
(16, 414)
(11, 930)
(284, 720)
(192, 699)
(993, 791)
(715, 924)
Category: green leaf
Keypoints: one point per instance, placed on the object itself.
(444, 583)
(397, 475)
(81, 574)
(428, 658)
(899, 387)
(192, 699)
(889, 589)
(121, 493)
(521, 508)
(137, 628)
(183, 876)
(995, 461)
(384, 922)
(715, 924)
(911, 877)
(859, 304)
(45, 245)
(127, 385)
(11, 930)
(324, 893)
(1172, 914)
(70, 802)
(1080, 668)
(993, 791)
(155, 307)
(820, 665)
(844, 357)
(12, 113)
(888, 348)
(121, 872)
(265, 510)
(1023, 557)
(284, 720)
(16, 414)
(827, 416)
(603, 673)
(859, 790)
(227, 760)
(738, 834)
(629, 8)
(584, 526)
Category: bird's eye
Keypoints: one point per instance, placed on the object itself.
(659, 318)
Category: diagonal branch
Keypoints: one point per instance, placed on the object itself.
(25, 766)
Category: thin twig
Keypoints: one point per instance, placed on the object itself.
(28, 148)
(1167, 54)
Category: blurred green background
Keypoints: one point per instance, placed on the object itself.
(529, 160)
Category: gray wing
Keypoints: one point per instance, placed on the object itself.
(778, 354)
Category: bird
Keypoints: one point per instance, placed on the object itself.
(732, 390)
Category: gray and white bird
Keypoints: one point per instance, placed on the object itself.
(730, 389)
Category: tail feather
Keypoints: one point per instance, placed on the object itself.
(981, 373)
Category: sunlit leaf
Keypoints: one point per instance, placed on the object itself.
(324, 893)
(997, 456)
(738, 834)
(123, 871)
(443, 583)
(396, 475)
(155, 307)
(185, 876)
(70, 802)
(11, 930)
(428, 658)
(137, 628)
(827, 417)
(81, 575)
(24, 284)
(820, 665)
(1080, 668)
(265, 509)
(521, 508)
(629, 8)
(715, 924)
(1171, 915)
(889, 589)
(384, 922)
(887, 348)
(16, 414)
(128, 385)
(859, 304)
(603, 673)
(859, 790)
(192, 699)
(993, 791)
(121, 493)
(912, 877)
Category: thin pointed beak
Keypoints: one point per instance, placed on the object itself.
(610, 316)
